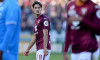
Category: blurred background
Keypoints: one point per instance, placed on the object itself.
(56, 11)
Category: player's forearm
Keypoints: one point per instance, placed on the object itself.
(67, 39)
(67, 44)
(32, 42)
(92, 25)
(45, 37)
(45, 40)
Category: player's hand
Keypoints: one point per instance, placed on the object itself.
(45, 51)
(74, 18)
(26, 53)
(65, 57)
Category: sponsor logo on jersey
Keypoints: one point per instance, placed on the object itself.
(75, 25)
(71, 12)
(46, 23)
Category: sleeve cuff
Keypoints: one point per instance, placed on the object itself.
(12, 22)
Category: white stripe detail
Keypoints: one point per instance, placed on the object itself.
(11, 22)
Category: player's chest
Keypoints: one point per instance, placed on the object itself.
(82, 11)
(38, 24)
(78, 11)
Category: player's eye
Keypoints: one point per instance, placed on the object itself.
(38, 7)
(35, 7)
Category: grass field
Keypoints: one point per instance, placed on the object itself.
(32, 57)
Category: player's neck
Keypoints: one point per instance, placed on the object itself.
(78, 3)
(1, 0)
(38, 15)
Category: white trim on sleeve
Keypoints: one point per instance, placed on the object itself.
(11, 22)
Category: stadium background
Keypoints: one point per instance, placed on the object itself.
(55, 10)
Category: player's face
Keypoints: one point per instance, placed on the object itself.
(84, 1)
(37, 9)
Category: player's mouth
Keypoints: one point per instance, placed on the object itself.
(37, 11)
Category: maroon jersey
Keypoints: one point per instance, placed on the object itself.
(41, 23)
(81, 35)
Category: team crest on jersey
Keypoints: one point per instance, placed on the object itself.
(84, 10)
(46, 23)
(98, 14)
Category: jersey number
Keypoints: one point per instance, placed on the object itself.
(35, 28)
(39, 57)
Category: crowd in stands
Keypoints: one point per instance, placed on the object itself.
(54, 9)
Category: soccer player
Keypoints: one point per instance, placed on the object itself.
(83, 23)
(41, 34)
(10, 20)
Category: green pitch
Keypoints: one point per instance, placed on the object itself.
(32, 57)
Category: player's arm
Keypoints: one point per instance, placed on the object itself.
(45, 38)
(46, 27)
(7, 38)
(11, 22)
(67, 43)
(30, 45)
(67, 39)
(10, 28)
(95, 24)
(32, 42)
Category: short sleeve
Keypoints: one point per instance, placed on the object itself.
(95, 24)
(11, 15)
(97, 16)
(46, 23)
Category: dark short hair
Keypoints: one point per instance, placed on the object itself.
(36, 2)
